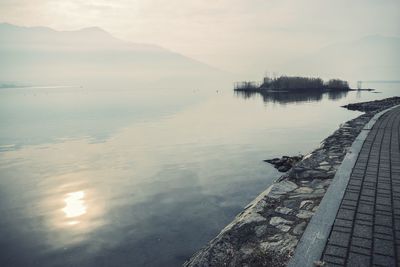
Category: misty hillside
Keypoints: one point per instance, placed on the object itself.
(370, 58)
(40, 55)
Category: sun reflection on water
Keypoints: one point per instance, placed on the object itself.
(75, 206)
(74, 212)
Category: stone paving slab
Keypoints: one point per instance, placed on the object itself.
(366, 231)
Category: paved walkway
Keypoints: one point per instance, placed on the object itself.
(366, 231)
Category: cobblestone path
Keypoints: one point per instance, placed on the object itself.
(366, 231)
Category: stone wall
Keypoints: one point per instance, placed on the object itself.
(267, 231)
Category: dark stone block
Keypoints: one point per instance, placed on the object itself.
(360, 250)
(359, 177)
(353, 188)
(339, 239)
(358, 172)
(383, 200)
(383, 230)
(347, 202)
(332, 259)
(396, 189)
(383, 186)
(358, 260)
(364, 217)
(382, 260)
(397, 234)
(341, 229)
(383, 208)
(384, 236)
(343, 223)
(336, 251)
(383, 247)
(368, 192)
(369, 184)
(330, 264)
(351, 196)
(396, 211)
(398, 251)
(383, 213)
(367, 198)
(383, 192)
(348, 207)
(362, 231)
(384, 220)
(397, 222)
(361, 222)
(370, 178)
(365, 208)
(345, 214)
(355, 182)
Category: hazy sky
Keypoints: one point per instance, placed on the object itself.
(235, 35)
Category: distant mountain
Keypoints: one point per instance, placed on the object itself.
(370, 58)
(93, 38)
(40, 55)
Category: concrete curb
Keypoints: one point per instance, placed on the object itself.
(312, 243)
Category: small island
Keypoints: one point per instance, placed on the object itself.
(291, 84)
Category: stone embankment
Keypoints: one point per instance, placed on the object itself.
(268, 230)
(373, 105)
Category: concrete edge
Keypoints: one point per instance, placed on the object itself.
(313, 241)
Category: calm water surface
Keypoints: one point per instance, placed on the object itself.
(125, 177)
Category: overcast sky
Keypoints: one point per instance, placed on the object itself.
(235, 35)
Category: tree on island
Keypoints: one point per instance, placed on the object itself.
(289, 83)
(337, 84)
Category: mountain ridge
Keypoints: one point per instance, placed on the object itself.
(30, 52)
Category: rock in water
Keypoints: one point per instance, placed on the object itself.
(285, 163)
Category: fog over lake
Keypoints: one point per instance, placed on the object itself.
(114, 177)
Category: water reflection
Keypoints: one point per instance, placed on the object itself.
(74, 205)
(293, 97)
(166, 184)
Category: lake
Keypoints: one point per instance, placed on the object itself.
(130, 177)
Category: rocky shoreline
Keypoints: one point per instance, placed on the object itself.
(267, 231)
(285, 163)
(372, 105)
